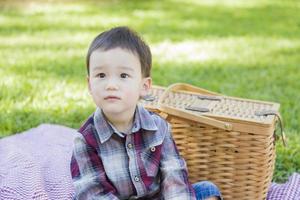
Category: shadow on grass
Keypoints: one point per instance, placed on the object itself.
(158, 20)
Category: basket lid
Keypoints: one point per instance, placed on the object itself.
(199, 102)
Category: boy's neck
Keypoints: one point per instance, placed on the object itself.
(121, 122)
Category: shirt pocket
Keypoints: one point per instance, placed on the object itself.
(151, 160)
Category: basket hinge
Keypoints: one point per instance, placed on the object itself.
(206, 97)
(149, 97)
(204, 103)
(196, 108)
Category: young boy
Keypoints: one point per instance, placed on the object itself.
(125, 151)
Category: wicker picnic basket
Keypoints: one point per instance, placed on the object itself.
(229, 141)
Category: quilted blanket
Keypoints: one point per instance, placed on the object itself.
(35, 165)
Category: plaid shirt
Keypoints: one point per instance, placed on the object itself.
(143, 164)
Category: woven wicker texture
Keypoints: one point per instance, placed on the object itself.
(234, 108)
(221, 138)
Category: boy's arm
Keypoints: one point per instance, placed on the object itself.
(175, 184)
(89, 178)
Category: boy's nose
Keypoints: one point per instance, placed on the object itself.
(112, 85)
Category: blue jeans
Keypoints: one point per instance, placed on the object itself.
(206, 189)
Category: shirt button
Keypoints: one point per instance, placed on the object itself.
(129, 145)
(137, 179)
(152, 149)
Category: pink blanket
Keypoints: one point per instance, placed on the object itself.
(35, 165)
(286, 191)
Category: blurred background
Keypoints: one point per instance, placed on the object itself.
(248, 49)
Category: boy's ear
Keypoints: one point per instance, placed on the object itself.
(147, 82)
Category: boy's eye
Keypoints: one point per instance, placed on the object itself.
(124, 75)
(101, 75)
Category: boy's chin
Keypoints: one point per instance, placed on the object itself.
(113, 111)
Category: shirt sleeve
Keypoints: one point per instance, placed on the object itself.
(89, 178)
(175, 184)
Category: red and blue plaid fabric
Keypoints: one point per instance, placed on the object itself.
(144, 164)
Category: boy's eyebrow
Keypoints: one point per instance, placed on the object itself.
(126, 68)
(121, 67)
(98, 67)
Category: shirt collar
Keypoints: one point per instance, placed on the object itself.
(142, 120)
(115, 130)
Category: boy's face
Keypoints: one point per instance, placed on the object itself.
(116, 82)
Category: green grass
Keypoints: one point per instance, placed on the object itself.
(245, 48)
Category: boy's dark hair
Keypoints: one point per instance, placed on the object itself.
(124, 38)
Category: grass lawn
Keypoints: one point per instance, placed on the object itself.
(249, 49)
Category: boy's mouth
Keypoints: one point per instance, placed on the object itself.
(112, 98)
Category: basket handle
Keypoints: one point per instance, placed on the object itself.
(276, 114)
(178, 112)
(190, 88)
